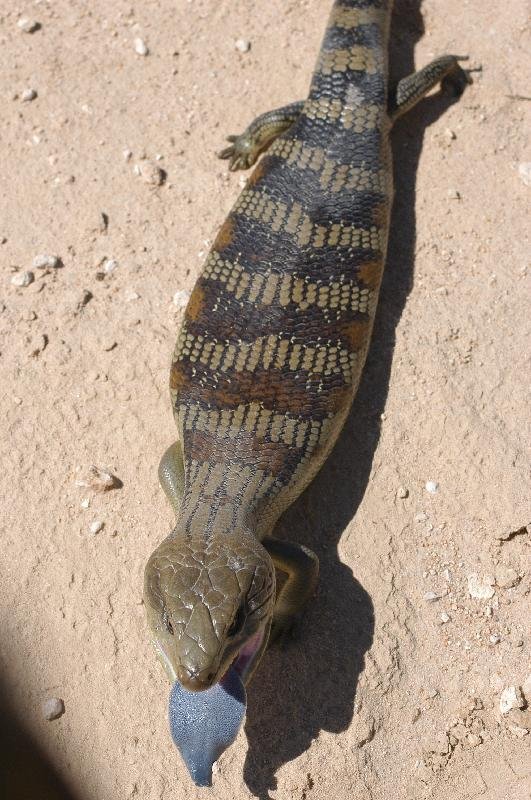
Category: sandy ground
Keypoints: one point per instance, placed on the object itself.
(392, 688)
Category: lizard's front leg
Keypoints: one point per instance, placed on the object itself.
(302, 568)
(171, 475)
(259, 135)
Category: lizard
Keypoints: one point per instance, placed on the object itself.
(271, 350)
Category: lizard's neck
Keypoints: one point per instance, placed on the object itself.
(221, 498)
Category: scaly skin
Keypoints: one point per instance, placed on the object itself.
(272, 347)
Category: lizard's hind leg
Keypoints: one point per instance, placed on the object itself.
(444, 70)
(171, 475)
(259, 135)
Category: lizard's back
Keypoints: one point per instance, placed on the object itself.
(277, 328)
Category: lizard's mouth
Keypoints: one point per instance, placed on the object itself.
(244, 661)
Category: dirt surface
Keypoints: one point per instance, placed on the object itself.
(392, 687)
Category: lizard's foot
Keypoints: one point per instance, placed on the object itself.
(242, 153)
(455, 83)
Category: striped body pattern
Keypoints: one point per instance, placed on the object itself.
(278, 325)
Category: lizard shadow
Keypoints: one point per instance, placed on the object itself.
(318, 680)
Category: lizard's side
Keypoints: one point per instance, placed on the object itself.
(271, 350)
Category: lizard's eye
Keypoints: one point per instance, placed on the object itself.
(238, 622)
(167, 622)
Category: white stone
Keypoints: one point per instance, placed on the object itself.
(45, 261)
(510, 698)
(181, 298)
(524, 171)
(243, 45)
(27, 25)
(141, 47)
(480, 589)
(28, 95)
(22, 279)
(445, 617)
(53, 708)
(96, 526)
(109, 265)
(432, 487)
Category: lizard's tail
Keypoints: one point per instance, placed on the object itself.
(354, 50)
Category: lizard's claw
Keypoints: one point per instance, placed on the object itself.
(242, 153)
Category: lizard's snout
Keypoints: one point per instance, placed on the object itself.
(193, 680)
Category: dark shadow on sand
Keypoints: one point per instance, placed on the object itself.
(311, 686)
(26, 773)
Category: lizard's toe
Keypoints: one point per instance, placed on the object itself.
(241, 154)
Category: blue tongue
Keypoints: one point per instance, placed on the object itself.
(204, 724)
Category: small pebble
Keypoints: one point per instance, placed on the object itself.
(494, 638)
(421, 517)
(28, 95)
(445, 617)
(473, 740)
(151, 173)
(85, 298)
(480, 589)
(449, 134)
(453, 194)
(27, 25)
(141, 47)
(99, 480)
(96, 526)
(510, 698)
(45, 261)
(85, 503)
(402, 492)
(181, 298)
(243, 45)
(109, 265)
(53, 708)
(22, 278)
(431, 597)
(130, 295)
(524, 171)
(506, 577)
(432, 487)
(516, 730)
(127, 154)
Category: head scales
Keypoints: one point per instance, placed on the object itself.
(205, 598)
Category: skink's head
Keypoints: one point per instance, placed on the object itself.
(209, 603)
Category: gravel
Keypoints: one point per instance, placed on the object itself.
(53, 708)
(28, 95)
(480, 589)
(181, 298)
(242, 45)
(45, 261)
(99, 480)
(141, 47)
(506, 577)
(23, 279)
(27, 25)
(524, 171)
(109, 265)
(510, 698)
(151, 173)
(96, 526)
